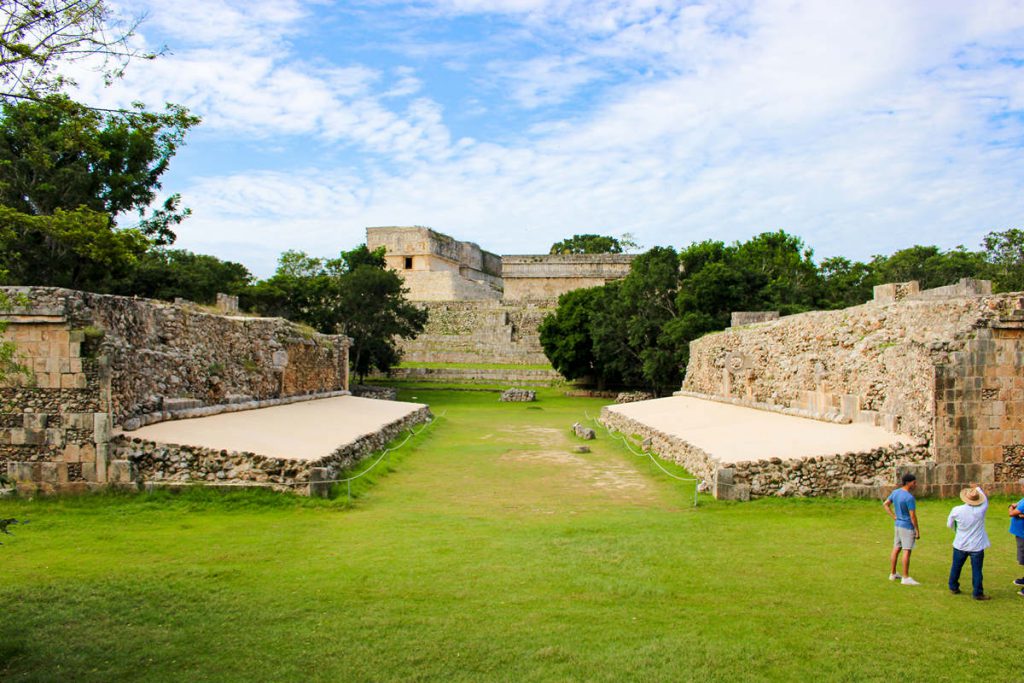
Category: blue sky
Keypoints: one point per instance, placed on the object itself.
(863, 127)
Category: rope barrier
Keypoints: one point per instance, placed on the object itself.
(648, 454)
(386, 452)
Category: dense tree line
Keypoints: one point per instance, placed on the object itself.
(636, 332)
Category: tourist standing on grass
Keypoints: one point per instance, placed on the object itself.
(971, 540)
(902, 507)
(1017, 529)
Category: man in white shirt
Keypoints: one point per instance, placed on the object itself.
(971, 540)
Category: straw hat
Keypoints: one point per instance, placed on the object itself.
(971, 496)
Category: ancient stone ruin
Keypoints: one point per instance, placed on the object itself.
(101, 366)
(518, 396)
(941, 368)
(484, 308)
(583, 432)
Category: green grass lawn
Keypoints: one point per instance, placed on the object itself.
(492, 552)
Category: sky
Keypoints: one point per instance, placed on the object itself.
(863, 127)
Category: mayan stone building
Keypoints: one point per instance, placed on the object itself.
(944, 367)
(96, 364)
(436, 267)
(484, 308)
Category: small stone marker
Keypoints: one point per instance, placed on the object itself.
(518, 395)
(581, 449)
(319, 482)
(585, 433)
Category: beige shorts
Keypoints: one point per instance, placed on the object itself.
(904, 538)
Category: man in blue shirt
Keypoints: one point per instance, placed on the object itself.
(1017, 529)
(902, 507)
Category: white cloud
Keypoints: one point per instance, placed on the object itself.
(862, 126)
(544, 80)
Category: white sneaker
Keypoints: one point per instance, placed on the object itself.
(907, 581)
(895, 577)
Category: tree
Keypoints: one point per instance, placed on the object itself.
(38, 35)
(648, 296)
(593, 244)
(844, 282)
(60, 163)
(374, 312)
(79, 249)
(353, 294)
(780, 271)
(566, 335)
(929, 265)
(57, 153)
(1004, 252)
(170, 273)
(640, 328)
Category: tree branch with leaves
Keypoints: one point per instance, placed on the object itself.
(37, 36)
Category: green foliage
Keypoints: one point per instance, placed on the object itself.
(59, 154)
(844, 282)
(353, 294)
(1004, 252)
(593, 244)
(67, 172)
(373, 311)
(637, 332)
(566, 335)
(38, 36)
(169, 273)
(930, 266)
(78, 248)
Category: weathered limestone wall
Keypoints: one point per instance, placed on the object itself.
(437, 267)
(945, 366)
(979, 402)
(160, 352)
(875, 362)
(696, 461)
(56, 436)
(741, 318)
(96, 361)
(480, 332)
(479, 375)
(545, 277)
(428, 285)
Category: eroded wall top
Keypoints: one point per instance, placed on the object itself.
(876, 362)
(160, 353)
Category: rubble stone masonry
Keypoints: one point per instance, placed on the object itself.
(95, 362)
(480, 332)
(945, 366)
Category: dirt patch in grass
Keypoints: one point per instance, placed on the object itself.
(542, 436)
(589, 473)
